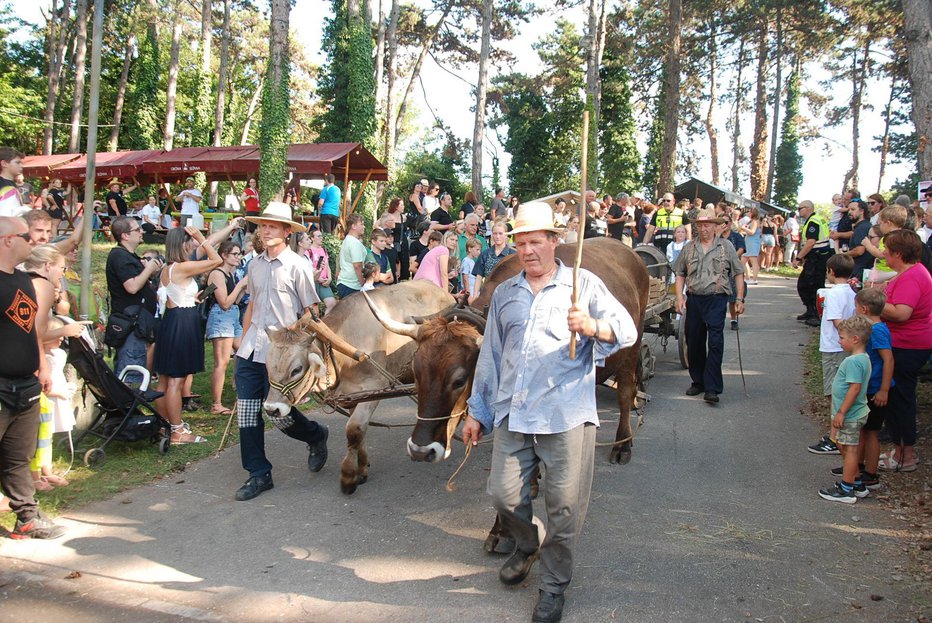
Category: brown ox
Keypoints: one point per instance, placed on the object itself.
(448, 348)
(299, 360)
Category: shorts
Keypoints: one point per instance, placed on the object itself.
(56, 213)
(223, 323)
(876, 415)
(768, 240)
(850, 432)
(323, 292)
(830, 363)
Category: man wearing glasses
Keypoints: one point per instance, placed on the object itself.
(131, 292)
(22, 378)
(664, 222)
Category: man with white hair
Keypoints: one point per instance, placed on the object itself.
(472, 230)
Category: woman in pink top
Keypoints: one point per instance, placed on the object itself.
(320, 261)
(908, 314)
(435, 265)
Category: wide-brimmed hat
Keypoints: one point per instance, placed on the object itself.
(278, 212)
(534, 216)
(707, 215)
(114, 181)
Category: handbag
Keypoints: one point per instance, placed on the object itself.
(19, 394)
(119, 327)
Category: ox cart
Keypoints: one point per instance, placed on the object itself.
(660, 316)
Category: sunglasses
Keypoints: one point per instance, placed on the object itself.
(24, 236)
(871, 203)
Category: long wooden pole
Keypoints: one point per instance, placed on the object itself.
(582, 220)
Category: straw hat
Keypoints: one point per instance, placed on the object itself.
(278, 212)
(114, 181)
(534, 216)
(707, 215)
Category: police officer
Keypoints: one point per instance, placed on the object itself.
(814, 254)
(664, 222)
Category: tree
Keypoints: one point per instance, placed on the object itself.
(171, 88)
(144, 131)
(481, 90)
(121, 94)
(57, 45)
(80, 54)
(671, 104)
(917, 32)
(759, 144)
(201, 118)
(620, 160)
(273, 131)
(789, 163)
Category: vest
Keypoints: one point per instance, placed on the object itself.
(823, 242)
(672, 220)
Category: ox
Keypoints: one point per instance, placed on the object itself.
(315, 356)
(448, 347)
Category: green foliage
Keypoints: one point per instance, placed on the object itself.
(788, 169)
(651, 175)
(202, 113)
(620, 159)
(144, 124)
(441, 164)
(332, 244)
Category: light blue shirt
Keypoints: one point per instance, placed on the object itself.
(330, 195)
(524, 371)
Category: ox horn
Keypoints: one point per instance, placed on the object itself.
(401, 328)
(326, 333)
(467, 314)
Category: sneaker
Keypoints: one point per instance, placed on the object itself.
(39, 527)
(813, 321)
(825, 446)
(872, 482)
(836, 494)
(840, 471)
(860, 491)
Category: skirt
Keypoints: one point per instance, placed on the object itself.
(179, 347)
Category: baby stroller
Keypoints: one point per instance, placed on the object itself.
(125, 413)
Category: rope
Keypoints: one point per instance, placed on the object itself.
(626, 439)
(451, 487)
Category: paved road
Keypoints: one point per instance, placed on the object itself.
(716, 518)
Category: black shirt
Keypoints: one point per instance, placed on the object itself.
(441, 216)
(415, 248)
(616, 230)
(865, 260)
(18, 325)
(467, 209)
(58, 197)
(590, 230)
(123, 265)
(120, 202)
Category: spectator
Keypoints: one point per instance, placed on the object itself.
(11, 167)
(617, 219)
(768, 242)
(512, 208)
(469, 205)
(440, 219)
(791, 233)
(490, 258)
(224, 330)
(663, 223)
(838, 305)
(473, 249)
(399, 236)
(25, 375)
(320, 261)
(471, 233)
(815, 253)
(560, 214)
(430, 201)
(328, 205)
(151, 216)
(179, 346)
(250, 199)
(849, 405)
(730, 233)
(876, 203)
(416, 212)
(57, 208)
(571, 234)
(190, 198)
(377, 243)
(857, 212)
(908, 313)
(497, 209)
(435, 265)
(752, 241)
(352, 255)
(131, 293)
(925, 232)
(42, 200)
(282, 291)
(115, 200)
(889, 220)
(26, 196)
(418, 246)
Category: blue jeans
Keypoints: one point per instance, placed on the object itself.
(133, 352)
(705, 339)
(344, 291)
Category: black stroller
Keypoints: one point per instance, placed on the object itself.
(125, 413)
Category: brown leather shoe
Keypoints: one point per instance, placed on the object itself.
(518, 565)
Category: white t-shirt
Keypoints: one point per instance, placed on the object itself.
(839, 304)
(188, 205)
(924, 233)
(429, 204)
(152, 213)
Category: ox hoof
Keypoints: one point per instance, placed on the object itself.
(348, 489)
(620, 456)
(361, 479)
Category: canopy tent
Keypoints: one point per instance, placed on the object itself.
(42, 166)
(123, 165)
(695, 188)
(571, 197)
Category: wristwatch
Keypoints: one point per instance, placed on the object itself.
(740, 299)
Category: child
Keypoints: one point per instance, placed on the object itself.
(377, 243)
(674, 248)
(370, 275)
(473, 249)
(869, 303)
(839, 304)
(849, 407)
(56, 414)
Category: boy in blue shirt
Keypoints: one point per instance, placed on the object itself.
(849, 407)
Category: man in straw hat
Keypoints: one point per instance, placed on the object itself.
(703, 271)
(116, 203)
(281, 289)
(541, 403)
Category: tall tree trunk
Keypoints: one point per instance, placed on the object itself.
(859, 78)
(121, 94)
(759, 145)
(273, 131)
(592, 90)
(171, 89)
(220, 109)
(58, 38)
(737, 149)
(251, 111)
(80, 56)
(917, 19)
(885, 139)
(671, 113)
(380, 60)
(416, 70)
(777, 90)
(481, 89)
(710, 114)
(206, 35)
(389, 130)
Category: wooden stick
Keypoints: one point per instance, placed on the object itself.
(582, 221)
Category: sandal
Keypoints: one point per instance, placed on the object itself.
(181, 434)
(219, 409)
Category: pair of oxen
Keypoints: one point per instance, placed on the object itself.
(365, 339)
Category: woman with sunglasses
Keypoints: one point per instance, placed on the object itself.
(875, 205)
(223, 324)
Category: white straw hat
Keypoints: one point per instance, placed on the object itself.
(278, 212)
(534, 216)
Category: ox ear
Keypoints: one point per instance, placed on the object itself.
(479, 341)
(317, 367)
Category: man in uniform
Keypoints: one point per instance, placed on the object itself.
(536, 421)
(703, 271)
(814, 254)
(664, 222)
(24, 373)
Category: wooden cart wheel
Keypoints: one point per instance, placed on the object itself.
(681, 341)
